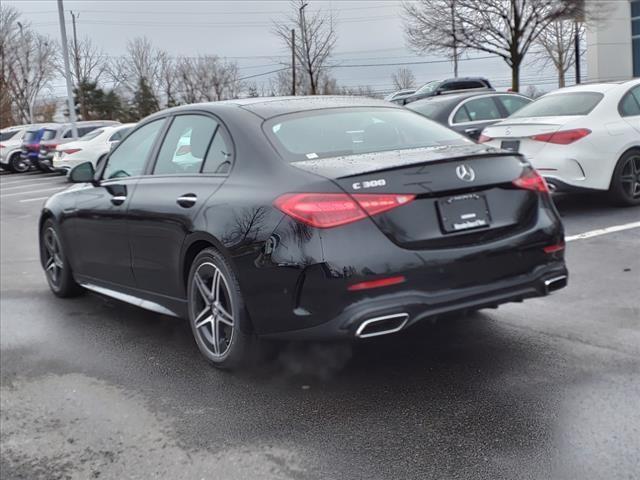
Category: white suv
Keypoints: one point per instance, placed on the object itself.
(10, 146)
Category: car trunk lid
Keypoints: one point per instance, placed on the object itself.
(462, 194)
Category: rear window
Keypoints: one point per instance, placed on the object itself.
(91, 135)
(335, 132)
(561, 104)
(48, 134)
(426, 109)
(4, 136)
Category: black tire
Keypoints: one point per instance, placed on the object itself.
(232, 347)
(55, 263)
(625, 183)
(17, 165)
(43, 168)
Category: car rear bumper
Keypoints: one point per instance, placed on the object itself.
(402, 309)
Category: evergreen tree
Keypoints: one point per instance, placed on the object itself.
(144, 101)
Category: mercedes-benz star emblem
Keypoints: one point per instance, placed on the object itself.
(466, 173)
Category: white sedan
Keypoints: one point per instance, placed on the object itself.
(585, 137)
(93, 147)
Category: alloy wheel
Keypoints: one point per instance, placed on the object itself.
(53, 256)
(630, 176)
(19, 165)
(212, 308)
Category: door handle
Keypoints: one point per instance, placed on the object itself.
(472, 131)
(187, 200)
(118, 199)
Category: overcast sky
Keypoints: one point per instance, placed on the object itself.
(369, 32)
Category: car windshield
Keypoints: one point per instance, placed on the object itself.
(561, 104)
(30, 136)
(429, 87)
(335, 132)
(91, 135)
(48, 134)
(4, 136)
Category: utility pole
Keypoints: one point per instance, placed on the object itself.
(293, 62)
(76, 55)
(67, 70)
(577, 52)
(303, 35)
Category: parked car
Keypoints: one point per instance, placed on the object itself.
(439, 87)
(399, 96)
(585, 137)
(11, 147)
(469, 113)
(93, 147)
(30, 147)
(62, 134)
(305, 217)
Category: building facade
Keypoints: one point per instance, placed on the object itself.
(613, 44)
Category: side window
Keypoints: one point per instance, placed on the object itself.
(129, 158)
(630, 103)
(513, 103)
(68, 134)
(185, 145)
(220, 154)
(482, 109)
(461, 115)
(116, 136)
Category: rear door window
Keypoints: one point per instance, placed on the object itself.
(478, 110)
(4, 136)
(185, 145)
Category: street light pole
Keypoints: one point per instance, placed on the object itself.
(67, 70)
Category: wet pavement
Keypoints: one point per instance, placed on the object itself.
(546, 389)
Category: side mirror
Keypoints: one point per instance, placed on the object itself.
(82, 173)
(114, 144)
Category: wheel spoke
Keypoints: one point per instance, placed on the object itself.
(215, 287)
(51, 264)
(224, 316)
(203, 317)
(215, 336)
(202, 289)
(204, 321)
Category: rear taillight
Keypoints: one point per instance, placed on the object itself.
(565, 137)
(557, 247)
(71, 150)
(326, 210)
(1, 145)
(531, 180)
(484, 138)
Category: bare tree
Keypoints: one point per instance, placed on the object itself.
(8, 38)
(505, 28)
(430, 27)
(141, 62)
(316, 38)
(88, 64)
(28, 63)
(207, 78)
(557, 46)
(403, 78)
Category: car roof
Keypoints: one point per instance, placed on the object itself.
(268, 107)
(454, 98)
(602, 87)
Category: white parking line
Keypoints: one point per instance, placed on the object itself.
(26, 185)
(33, 199)
(32, 191)
(603, 231)
(26, 179)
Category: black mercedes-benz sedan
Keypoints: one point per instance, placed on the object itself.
(302, 218)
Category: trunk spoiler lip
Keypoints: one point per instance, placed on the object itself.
(482, 152)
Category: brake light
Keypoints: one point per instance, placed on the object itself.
(565, 137)
(71, 150)
(531, 180)
(383, 282)
(1, 145)
(326, 210)
(484, 138)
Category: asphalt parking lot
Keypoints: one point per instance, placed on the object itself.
(547, 389)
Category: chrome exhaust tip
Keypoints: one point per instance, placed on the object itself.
(384, 325)
(555, 283)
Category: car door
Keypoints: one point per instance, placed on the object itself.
(191, 164)
(100, 235)
(473, 115)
